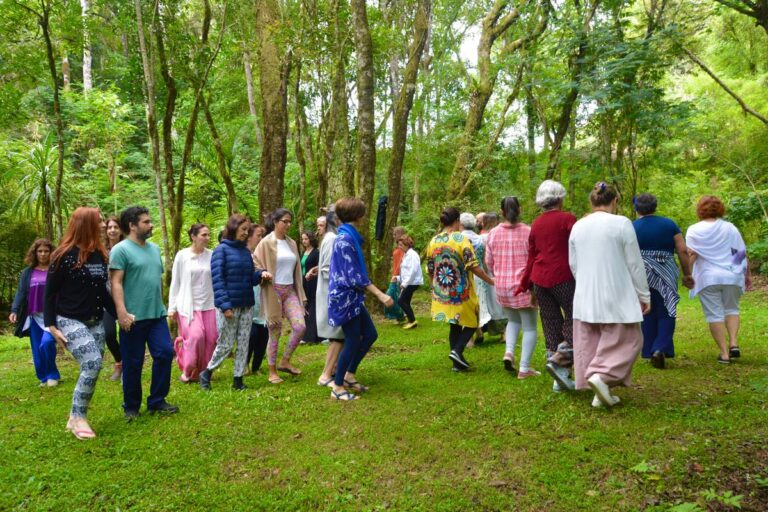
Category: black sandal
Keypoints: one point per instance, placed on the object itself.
(723, 361)
(355, 386)
(734, 352)
(344, 396)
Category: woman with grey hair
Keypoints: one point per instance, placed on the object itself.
(468, 224)
(548, 273)
(334, 335)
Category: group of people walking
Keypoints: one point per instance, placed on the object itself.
(604, 287)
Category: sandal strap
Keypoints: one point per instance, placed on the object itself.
(349, 396)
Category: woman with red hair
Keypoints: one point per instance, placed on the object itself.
(720, 273)
(76, 297)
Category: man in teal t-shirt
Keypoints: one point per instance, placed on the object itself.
(136, 272)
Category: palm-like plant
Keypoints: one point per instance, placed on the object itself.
(36, 165)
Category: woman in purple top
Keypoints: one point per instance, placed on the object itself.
(27, 312)
(346, 293)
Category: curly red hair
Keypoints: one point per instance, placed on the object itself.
(710, 207)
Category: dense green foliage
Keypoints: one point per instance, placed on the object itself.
(608, 90)
(424, 438)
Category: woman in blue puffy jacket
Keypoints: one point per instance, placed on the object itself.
(234, 276)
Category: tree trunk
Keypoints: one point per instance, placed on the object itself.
(274, 69)
(44, 22)
(298, 147)
(494, 26)
(66, 71)
(366, 136)
(530, 122)
(87, 79)
(400, 132)
(221, 159)
(149, 86)
(577, 67)
(177, 217)
(170, 108)
(251, 100)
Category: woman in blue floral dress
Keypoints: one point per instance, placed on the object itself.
(346, 293)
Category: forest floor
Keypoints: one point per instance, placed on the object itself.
(691, 437)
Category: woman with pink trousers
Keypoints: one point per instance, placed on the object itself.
(611, 297)
(190, 303)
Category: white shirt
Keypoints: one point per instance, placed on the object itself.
(720, 255)
(286, 263)
(191, 284)
(410, 269)
(604, 257)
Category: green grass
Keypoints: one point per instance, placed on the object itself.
(424, 438)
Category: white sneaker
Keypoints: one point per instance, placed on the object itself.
(597, 403)
(601, 389)
(52, 383)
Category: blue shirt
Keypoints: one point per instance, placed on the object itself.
(347, 282)
(656, 233)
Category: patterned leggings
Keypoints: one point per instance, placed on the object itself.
(553, 302)
(86, 344)
(294, 312)
(232, 330)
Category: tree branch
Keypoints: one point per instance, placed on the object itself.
(739, 6)
(29, 9)
(742, 104)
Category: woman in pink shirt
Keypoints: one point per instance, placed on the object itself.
(506, 257)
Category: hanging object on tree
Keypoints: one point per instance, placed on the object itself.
(381, 217)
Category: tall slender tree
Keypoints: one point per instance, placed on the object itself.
(366, 135)
(400, 129)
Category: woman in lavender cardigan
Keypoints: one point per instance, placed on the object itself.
(348, 283)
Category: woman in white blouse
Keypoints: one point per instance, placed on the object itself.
(410, 279)
(190, 304)
(611, 297)
(720, 273)
(284, 296)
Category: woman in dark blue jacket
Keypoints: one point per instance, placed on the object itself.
(27, 312)
(234, 276)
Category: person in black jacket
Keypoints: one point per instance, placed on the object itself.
(234, 276)
(27, 312)
(310, 257)
(76, 297)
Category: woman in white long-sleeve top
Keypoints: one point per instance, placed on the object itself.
(190, 304)
(611, 297)
(410, 279)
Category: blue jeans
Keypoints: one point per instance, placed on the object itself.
(43, 353)
(359, 335)
(658, 328)
(154, 332)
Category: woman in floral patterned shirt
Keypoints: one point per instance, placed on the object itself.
(450, 258)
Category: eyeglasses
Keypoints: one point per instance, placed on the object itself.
(285, 221)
